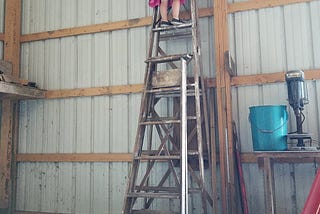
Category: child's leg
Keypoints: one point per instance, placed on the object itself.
(175, 9)
(164, 10)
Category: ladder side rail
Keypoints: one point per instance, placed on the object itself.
(128, 204)
(183, 145)
(196, 49)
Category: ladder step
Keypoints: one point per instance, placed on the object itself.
(175, 36)
(153, 195)
(168, 58)
(153, 212)
(170, 92)
(158, 157)
(156, 152)
(165, 189)
(159, 189)
(156, 122)
(162, 120)
(172, 27)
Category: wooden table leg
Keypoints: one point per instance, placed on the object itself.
(269, 185)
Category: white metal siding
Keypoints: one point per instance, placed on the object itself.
(1, 25)
(2, 5)
(267, 41)
(82, 125)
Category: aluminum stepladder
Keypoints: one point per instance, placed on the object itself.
(162, 178)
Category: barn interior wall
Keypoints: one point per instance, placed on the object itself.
(268, 41)
(261, 41)
(102, 124)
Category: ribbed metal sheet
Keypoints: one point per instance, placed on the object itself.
(1, 50)
(2, 5)
(82, 125)
(262, 41)
(1, 26)
(267, 41)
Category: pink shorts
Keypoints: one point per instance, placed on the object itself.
(154, 3)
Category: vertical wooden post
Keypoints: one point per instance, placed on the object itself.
(269, 185)
(8, 126)
(223, 90)
(12, 35)
(5, 154)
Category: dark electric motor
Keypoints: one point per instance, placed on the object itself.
(296, 89)
(297, 99)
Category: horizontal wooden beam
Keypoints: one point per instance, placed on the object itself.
(249, 157)
(97, 91)
(245, 80)
(105, 27)
(259, 4)
(69, 157)
(270, 78)
(16, 91)
(282, 157)
(32, 212)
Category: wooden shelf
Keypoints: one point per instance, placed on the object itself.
(16, 91)
(282, 156)
(266, 161)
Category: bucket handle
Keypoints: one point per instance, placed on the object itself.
(266, 130)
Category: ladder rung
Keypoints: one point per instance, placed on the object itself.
(156, 152)
(155, 122)
(194, 190)
(168, 58)
(166, 89)
(170, 92)
(154, 195)
(173, 27)
(160, 189)
(191, 84)
(158, 157)
(191, 117)
(175, 36)
(154, 212)
(165, 189)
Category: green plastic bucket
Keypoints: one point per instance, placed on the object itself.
(269, 127)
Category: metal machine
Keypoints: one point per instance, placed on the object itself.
(298, 97)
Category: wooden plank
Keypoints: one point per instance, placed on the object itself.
(213, 151)
(259, 4)
(278, 77)
(283, 157)
(68, 157)
(5, 67)
(288, 154)
(248, 158)
(11, 51)
(5, 153)
(12, 35)
(32, 212)
(105, 27)
(269, 186)
(98, 91)
(14, 166)
(15, 91)
(231, 168)
(137, 88)
(221, 46)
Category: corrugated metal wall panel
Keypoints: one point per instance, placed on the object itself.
(315, 27)
(266, 41)
(1, 50)
(80, 125)
(2, 14)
